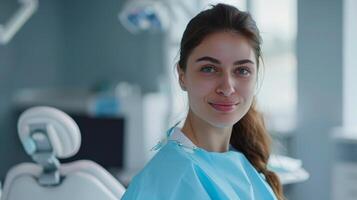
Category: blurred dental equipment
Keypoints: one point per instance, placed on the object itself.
(145, 15)
(132, 122)
(48, 134)
(289, 170)
(20, 17)
(154, 15)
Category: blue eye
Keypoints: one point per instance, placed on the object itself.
(243, 71)
(208, 69)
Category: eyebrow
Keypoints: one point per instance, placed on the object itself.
(213, 60)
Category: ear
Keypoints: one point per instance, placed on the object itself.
(181, 77)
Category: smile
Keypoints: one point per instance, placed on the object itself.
(224, 107)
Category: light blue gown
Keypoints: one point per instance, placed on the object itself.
(181, 171)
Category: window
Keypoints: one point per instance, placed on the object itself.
(277, 94)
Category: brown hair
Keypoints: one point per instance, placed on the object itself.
(249, 134)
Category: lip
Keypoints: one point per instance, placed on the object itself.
(224, 106)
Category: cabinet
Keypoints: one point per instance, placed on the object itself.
(344, 168)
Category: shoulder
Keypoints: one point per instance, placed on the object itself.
(169, 159)
(170, 173)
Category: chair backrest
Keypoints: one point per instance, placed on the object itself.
(48, 134)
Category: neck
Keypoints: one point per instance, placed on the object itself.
(206, 136)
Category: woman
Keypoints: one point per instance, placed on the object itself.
(222, 150)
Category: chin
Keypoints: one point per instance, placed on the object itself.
(222, 124)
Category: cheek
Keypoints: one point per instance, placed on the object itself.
(246, 89)
(198, 85)
(200, 88)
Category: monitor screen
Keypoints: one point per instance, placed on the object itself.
(102, 140)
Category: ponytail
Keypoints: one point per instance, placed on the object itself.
(250, 137)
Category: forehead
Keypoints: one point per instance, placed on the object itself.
(224, 46)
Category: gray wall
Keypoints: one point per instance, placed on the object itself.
(96, 43)
(70, 44)
(319, 56)
(32, 59)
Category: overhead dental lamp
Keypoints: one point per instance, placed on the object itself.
(144, 15)
(156, 15)
(9, 29)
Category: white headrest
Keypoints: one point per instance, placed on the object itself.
(62, 130)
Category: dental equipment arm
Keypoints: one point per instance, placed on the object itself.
(9, 29)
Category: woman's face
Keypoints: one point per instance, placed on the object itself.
(220, 79)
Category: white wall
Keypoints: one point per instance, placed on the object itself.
(350, 64)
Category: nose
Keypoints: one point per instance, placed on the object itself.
(226, 86)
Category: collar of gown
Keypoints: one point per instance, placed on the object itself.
(178, 136)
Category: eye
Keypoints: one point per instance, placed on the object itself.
(208, 69)
(243, 71)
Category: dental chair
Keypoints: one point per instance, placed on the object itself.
(48, 134)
